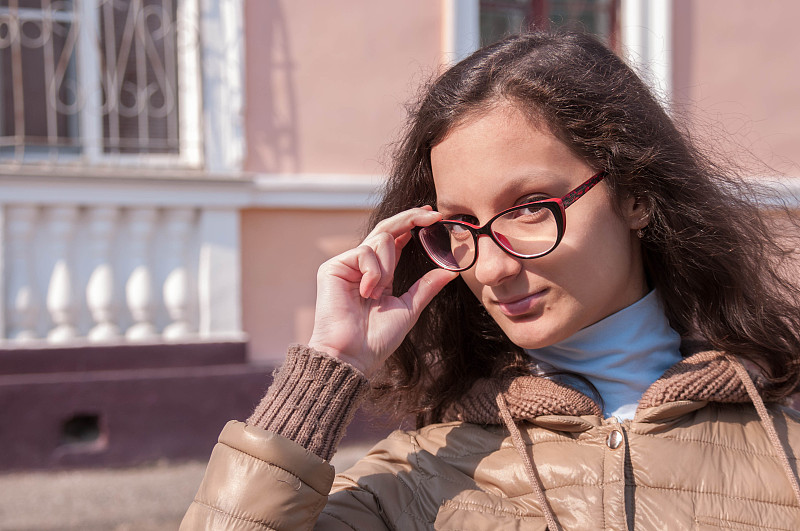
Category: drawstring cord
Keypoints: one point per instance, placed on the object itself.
(766, 421)
(533, 478)
(746, 380)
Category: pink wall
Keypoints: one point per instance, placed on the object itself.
(737, 77)
(325, 81)
(325, 88)
(281, 252)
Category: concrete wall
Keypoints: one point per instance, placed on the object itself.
(281, 251)
(326, 84)
(737, 77)
(326, 81)
(325, 88)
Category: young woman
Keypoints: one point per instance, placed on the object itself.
(548, 255)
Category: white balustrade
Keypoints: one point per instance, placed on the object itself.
(22, 299)
(176, 286)
(59, 291)
(139, 287)
(100, 288)
(108, 273)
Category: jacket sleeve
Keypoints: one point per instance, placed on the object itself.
(273, 473)
(257, 479)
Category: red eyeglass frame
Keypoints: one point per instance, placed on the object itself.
(557, 206)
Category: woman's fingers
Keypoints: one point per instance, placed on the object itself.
(381, 251)
(361, 331)
(387, 241)
(371, 271)
(399, 243)
(402, 223)
(371, 265)
(425, 289)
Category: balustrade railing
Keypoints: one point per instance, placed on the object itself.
(103, 273)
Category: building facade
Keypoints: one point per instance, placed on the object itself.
(173, 172)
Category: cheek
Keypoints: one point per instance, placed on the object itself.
(592, 261)
(474, 286)
(599, 263)
(594, 256)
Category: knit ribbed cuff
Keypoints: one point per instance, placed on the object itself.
(312, 399)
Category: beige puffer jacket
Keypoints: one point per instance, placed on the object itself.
(696, 456)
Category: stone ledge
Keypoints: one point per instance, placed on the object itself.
(128, 405)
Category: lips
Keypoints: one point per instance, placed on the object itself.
(514, 307)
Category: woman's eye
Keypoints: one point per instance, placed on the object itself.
(459, 232)
(464, 219)
(532, 198)
(531, 214)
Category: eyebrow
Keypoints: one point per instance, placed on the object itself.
(522, 182)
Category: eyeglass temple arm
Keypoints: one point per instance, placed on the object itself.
(575, 194)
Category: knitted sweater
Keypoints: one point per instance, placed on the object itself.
(313, 396)
(312, 399)
(696, 455)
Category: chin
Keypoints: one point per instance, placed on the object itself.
(532, 343)
(533, 334)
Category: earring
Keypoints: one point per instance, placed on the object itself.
(640, 233)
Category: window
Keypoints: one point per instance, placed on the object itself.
(96, 81)
(502, 17)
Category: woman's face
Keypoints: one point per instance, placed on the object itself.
(500, 159)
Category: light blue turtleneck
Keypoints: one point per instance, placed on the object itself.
(621, 355)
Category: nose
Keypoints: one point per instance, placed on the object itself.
(494, 265)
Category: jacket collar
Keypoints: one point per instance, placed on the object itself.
(688, 385)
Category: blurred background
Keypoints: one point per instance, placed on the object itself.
(173, 172)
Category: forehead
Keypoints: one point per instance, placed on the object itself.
(500, 153)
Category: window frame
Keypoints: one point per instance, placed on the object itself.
(91, 140)
(537, 15)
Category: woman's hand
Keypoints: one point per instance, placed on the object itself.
(357, 319)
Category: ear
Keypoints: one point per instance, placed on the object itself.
(636, 211)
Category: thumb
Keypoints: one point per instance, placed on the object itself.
(425, 289)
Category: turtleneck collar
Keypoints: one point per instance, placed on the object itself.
(621, 355)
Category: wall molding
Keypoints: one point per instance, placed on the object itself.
(125, 191)
(318, 191)
(779, 191)
(279, 191)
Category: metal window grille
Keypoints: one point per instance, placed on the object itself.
(503, 17)
(92, 81)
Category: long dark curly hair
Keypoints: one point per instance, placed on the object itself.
(709, 248)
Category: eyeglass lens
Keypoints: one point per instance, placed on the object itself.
(526, 232)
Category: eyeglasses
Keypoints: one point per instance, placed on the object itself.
(531, 230)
